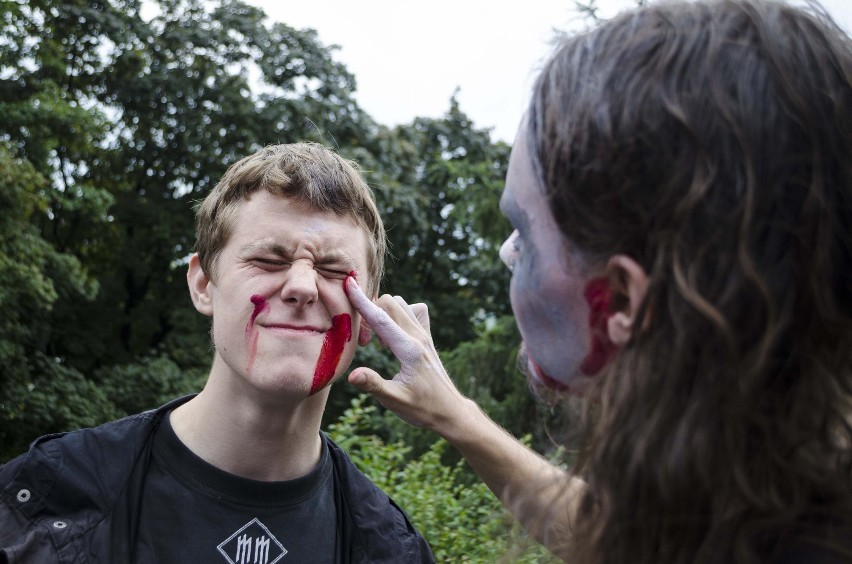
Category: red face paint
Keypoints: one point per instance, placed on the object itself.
(259, 305)
(251, 337)
(545, 379)
(599, 297)
(332, 349)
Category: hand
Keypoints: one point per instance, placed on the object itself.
(422, 393)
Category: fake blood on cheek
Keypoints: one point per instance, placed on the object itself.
(260, 305)
(332, 349)
(333, 345)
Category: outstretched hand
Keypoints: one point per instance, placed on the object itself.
(422, 393)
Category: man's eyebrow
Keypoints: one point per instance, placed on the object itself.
(333, 256)
(336, 257)
(270, 247)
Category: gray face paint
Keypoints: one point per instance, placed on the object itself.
(315, 227)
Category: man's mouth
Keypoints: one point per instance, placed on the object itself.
(543, 378)
(291, 327)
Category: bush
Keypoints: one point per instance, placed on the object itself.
(459, 517)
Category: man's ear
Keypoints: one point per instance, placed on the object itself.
(199, 286)
(628, 283)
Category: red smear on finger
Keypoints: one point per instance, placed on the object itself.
(260, 305)
(602, 350)
(332, 349)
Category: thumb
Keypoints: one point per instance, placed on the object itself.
(367, 380)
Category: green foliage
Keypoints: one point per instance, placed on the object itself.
(147, 382)
(113, 125)
(130, 120)
(438, 184)
(461, 518)
(40, 392)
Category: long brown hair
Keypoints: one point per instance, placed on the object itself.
(712, 142)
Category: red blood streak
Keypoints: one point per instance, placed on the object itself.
(332, 349)
(259, 305)
(251, 337)
(599, 297)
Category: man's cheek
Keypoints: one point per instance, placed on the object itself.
(333, 346)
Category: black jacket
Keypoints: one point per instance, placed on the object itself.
(73, 497)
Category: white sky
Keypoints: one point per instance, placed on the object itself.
(409, 57)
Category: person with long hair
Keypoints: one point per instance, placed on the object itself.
(680, 191)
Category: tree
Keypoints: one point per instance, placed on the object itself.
(438, 184)
(126, 122)
(40, 392)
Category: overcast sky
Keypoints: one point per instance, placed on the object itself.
(409, 57)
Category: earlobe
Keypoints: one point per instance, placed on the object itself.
(199, 286)
(619, 328)
(629, 285)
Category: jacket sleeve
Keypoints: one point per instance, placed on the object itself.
(21, 539)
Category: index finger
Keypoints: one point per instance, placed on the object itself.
(392, 335)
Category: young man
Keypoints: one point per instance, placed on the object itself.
(240, 472)
(681, 198)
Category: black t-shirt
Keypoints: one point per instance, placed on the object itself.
(195, 512)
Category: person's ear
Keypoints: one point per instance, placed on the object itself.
(199, 286)
(628, 283)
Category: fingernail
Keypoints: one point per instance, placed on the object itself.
(350, 279)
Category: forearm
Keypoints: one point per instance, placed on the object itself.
(541, 496)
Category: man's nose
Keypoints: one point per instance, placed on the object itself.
(300, 284)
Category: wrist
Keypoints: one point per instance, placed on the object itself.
(461, 424)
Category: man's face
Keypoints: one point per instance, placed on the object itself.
(281, 319)
(547, 281)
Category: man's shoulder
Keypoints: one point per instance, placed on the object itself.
(346, 471)
(364, 497)
(92, 458)
(119, 434)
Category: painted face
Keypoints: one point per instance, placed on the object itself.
(548, 282)
(281, 319)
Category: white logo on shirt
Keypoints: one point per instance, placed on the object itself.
(252, 544)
